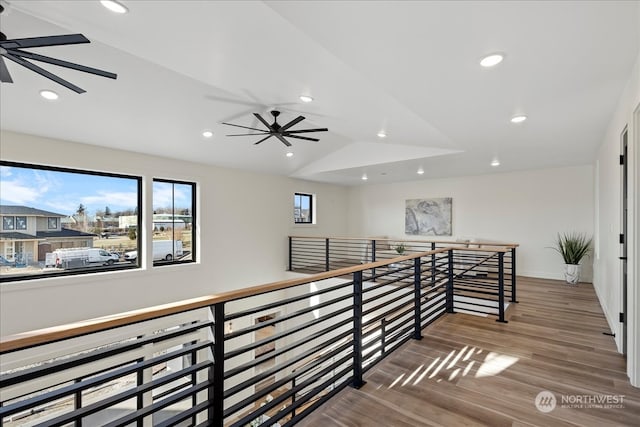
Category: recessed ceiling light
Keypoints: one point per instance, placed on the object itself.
(364, 177)
(49, 95)
(491, 60)
(382, 134)
(420, 171)
(289, 154)
(114, 6)
(207, 134)
(495, 163)
(518, 119)
(306, 98)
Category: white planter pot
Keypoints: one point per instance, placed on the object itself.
(572, 273)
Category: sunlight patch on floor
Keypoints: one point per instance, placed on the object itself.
(459, 364)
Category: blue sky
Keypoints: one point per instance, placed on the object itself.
(62, 192)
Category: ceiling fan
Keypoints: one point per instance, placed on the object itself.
(11, 49)
(275, 129)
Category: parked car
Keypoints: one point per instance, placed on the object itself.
(6, 262)
(165, 250)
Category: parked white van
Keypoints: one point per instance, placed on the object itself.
(78, 257)
(162, 250)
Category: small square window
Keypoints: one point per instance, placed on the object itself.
(21, 223)
(303, 208)
(52, 223)
(8, 223)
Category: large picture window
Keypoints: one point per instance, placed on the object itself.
(59, 221)
(303, 208)
(174, 209)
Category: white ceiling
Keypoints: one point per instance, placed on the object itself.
(408, 68)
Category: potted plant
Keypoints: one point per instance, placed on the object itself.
(400, 248)
(573, 247)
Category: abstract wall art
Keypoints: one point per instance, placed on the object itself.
(428, 217)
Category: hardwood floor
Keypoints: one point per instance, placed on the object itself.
(470, 370)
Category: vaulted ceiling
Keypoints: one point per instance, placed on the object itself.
(410, 69)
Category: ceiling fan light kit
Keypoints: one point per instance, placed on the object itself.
(12, 50)
(279, 131)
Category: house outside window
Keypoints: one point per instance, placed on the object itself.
(303, 208)
(174, 222)
(57, 232)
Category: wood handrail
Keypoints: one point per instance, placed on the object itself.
(505, 244)
(57, 333)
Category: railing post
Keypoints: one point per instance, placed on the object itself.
(450, 282)
(433, 264)
(373, 259)
(417, 299)
(383, 333)
(357, 330)
(326, 254)
(513, 275)
(290, 253)
(216, 392)
(501, 288)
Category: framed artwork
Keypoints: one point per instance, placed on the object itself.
(428, 217)
(21, 223)
(8, 223)
(52, 222)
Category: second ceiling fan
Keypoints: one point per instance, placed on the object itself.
(277, 130)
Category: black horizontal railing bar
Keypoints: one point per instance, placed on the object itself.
(288, 378)
(478, 302)
(172, 390)
(287, 301)
(232, 372)
(397, 288)
(477, 291)
(431, 316)
(384, 304)
(406, 241)
(162, 403)
(389, 316)
(286, 317)
(287, 394)
(157, 406)
(314, 392)
(12, 378)
(129, 368)
(182, 416)
(319, 402)
(107, 402)
(471, 310)
(234, 353)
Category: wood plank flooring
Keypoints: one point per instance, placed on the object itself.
(472, 371)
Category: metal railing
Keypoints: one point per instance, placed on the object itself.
(268, 354)
(478, 286)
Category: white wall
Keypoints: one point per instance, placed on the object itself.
(527, 207)
(244, 220)
(607, 267)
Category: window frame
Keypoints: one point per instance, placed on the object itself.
(192, 209)
(311, 219)
(24, 221)
(79, 271)
(8, 223)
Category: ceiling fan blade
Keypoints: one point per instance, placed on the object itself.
(293, 122)
(263, 121)
(306, 130)
(281, 138)
(263, 139)
(43, 72)
(250, 134)
(44, 41)
(244, 127)
(61, 63)
(5, 77)
(303, 137)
